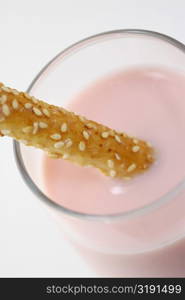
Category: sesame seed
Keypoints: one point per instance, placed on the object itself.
(59, 145)
(3, 99)
(110, 163)
(46, 112)
(27, 96)
(135, 148)
(62, 110)
(56, 111)
(34, 99)
(90, 125)
(55, 136)
(65, 156)
(27, 129)
(63, 127)
(117, 138)
(43, 125)
(85, 134)
(82, 118)
(5, 110)
(15, 104)
(52, 155)
(6, 89)
(68, 143)
(81, 146)
(37, 111)
(135, 141)
(131, 168)
(35, 127)
(105, 134)
(5, 131)
(117, 156)
(14, 92)
(28, 105)
(112, 173)
(25, 142)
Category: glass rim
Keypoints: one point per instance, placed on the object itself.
(97, 217)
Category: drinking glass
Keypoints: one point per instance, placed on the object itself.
(150, 240)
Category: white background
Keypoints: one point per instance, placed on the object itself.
(31, 33)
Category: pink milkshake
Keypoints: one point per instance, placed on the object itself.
(143, 236)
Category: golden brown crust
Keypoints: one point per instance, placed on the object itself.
(64, 134)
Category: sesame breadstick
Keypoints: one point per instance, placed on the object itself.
(63, 134)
